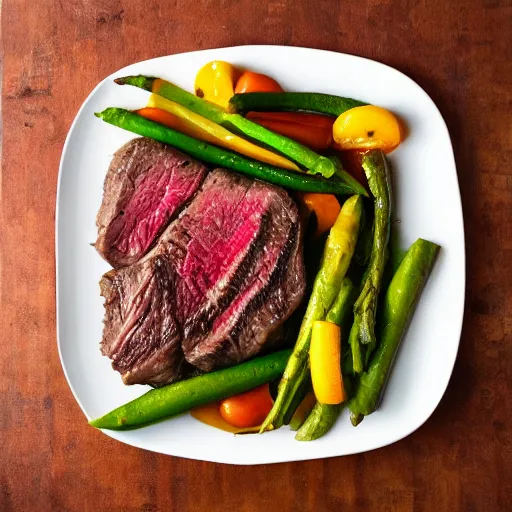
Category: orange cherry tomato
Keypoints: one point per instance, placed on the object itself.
(247, 409)
(210, 415)
(256, 82)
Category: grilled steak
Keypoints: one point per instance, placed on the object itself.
(245, 260)
(147, 185)
(221, 279)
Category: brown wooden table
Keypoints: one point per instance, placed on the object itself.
(54, 52)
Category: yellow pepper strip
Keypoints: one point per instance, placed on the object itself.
(367, 127)
(201, 128)
(325, 361)
(216, 81)
(326, 209)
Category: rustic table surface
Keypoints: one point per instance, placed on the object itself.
(53, 53)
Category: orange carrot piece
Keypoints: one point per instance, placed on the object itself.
(326, 208)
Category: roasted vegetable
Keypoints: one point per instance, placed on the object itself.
(323, 416)
(221, 157)
(319, 422)
(303, 411)
(250, 81)
(311, 161)
(351, 162)
(367, 127)
(363, 330)
(247, 409)
(174, 399)
(215, 82)
(302, 118)
(293, 101)
(397, 308)
(199, 127)
(347, 178)
(326, 209)
(302, 392)
(340, 310)
(336, 258)
(175, 122)
(312, 130)
(325, 363)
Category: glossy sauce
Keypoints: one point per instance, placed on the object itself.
(210, 415)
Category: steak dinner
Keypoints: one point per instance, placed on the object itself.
(222, 278)
(147, 185)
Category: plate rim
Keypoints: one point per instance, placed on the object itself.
(288, 458)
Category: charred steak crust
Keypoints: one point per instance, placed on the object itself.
(147, 185)
(221, 279)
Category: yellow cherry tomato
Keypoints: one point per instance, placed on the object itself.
(325, 361)
(367, 127)
(216, 81)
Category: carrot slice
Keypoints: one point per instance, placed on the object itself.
(326, 208)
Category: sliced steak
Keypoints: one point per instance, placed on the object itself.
(141, 334)
(221, 279)
(147, 185)
(214, 334)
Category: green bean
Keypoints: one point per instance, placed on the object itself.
(215, 155)
(397, 309)
(179, 397)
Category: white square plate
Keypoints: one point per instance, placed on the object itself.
(427, 205)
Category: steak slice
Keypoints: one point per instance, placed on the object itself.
(141, 334)
(222, 277)
(146, 186)
(267, 290)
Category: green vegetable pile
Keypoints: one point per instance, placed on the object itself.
(349, 289)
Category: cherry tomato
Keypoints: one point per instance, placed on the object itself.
(256, 82)
(247, 409)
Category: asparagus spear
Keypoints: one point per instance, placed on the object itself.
(338, 252)
(219, 156)
(397, 309)
(313, 162)
(323, 416)
(363, 330)
(319, 422)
